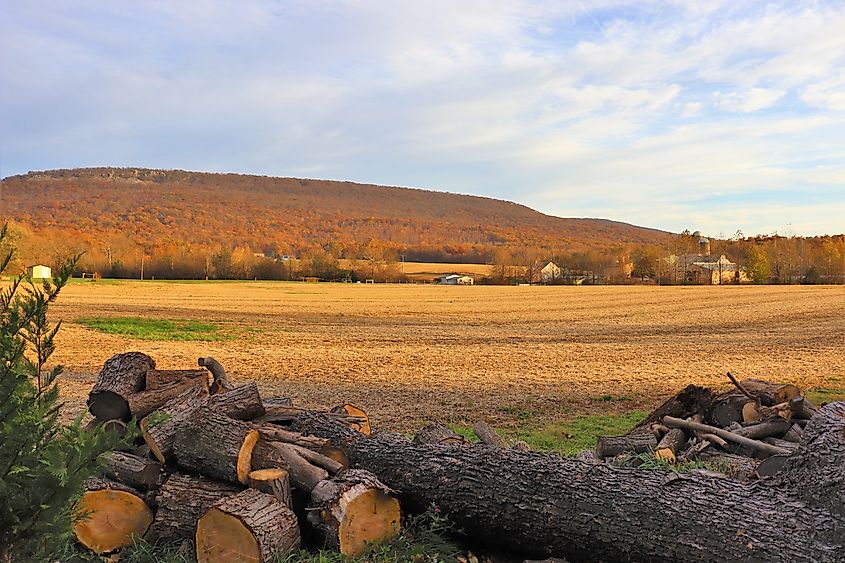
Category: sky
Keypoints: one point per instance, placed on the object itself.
(705, 115)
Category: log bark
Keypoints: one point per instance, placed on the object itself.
(121, 376)
(134, 471)
(241, 403)
(589, 512)
(144, 402)
(793, 434)
(727, 408)
(609, 446)
(670, 445)
(778, 392)
(690, 401)
(770, 428)
(275, 482)
(162, 377)
(214, 445)
(182, 500)
(487, 434)
(110, 516)
(772, 465)
(250, 526)
(272, 455)
(277, 434)
(735, 466)
(438, 433)
(352, 510)
(160, 427)
(272, 402)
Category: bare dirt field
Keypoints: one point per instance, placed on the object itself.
(409, 353)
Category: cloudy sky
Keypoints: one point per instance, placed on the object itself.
(701, 114)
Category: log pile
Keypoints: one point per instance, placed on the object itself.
(217, 465)
(247, 478)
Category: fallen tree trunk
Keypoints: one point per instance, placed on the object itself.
(352, 510)
(121, 376)
(589, 512)
(182, 500)
(110, 516)
(248, 526)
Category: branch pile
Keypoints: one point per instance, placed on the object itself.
(220, 466)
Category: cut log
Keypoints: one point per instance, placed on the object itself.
(725, 435)
(250, 526)
(121, 376)
(159, 428)
(182, 500)
(214, 445)
(690, 401)
(727, 408)
(438, 433)
(241, 403)
(134, 471)
(162, 377)
(277, 434)
(775, 427)
(273, 402)
(144, 402)
(779, 392)
(277, 455)
(286, 415)
(735, 466)
(609, 446)
(352, 510)
(362, 425)
(275, 482)
(487, 434)
(670, 445)
(114, 426)
(221, 380)
(110, 516)
(793, 434)
(317, 459)
(587, 512)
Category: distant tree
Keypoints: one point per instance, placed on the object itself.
(757, 264)
(646, 263)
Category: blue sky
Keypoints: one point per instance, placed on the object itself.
(704, 115)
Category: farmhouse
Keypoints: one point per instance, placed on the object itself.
(704, 267)
(456, 279)
(39, 272)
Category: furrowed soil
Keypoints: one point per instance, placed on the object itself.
(409, 354)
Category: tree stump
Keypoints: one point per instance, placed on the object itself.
(111, 516)
(354, 509)
(215, 445)
(121, 376)
(182, 500)
(250, 526)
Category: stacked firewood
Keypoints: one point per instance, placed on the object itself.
(747, 432)
(219, 465)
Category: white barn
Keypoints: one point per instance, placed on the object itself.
(456, 279)
(39, 271)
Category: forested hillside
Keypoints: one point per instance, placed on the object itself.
(115, 214)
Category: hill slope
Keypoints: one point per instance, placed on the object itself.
(159, 208)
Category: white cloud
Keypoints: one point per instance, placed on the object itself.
(754, 99)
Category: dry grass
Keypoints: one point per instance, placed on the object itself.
(408, 354)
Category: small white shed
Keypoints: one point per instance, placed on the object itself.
(456, 279)
(39, 272)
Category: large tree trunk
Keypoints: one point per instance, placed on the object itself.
(110, 516)
(554, 506)
(248, 527)
(182, 500)
(121, 376)
(216, 446)
(354, 509)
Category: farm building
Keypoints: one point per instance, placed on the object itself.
(39, 272)
(456, 279)
(547, 273)
(704, 268)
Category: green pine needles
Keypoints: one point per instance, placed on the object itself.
(43, 464)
